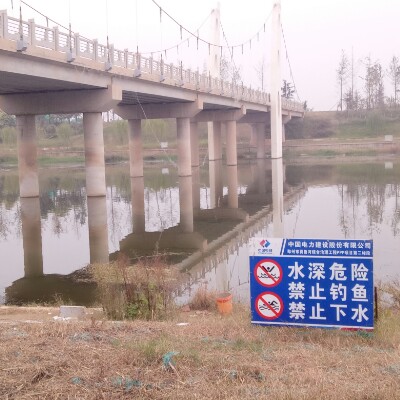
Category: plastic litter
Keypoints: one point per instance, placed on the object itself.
(126, 383)
(76, 380)
(168, 361)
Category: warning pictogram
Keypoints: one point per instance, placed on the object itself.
(269, 305)
(268, 273)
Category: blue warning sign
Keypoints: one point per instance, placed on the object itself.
(312, 282)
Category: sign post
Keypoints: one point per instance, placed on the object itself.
(312, 282)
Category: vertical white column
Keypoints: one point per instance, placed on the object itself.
(214, 142)
(276, 100)
(98, 229)
(231, 143)
(32, 236)
(194, 143)
(277, 198)
(184, 148)
(214, 69)
(27, 156)
(94, 154)
(135, 147)
(186, 204)
(137, 198)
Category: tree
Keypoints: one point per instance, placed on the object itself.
(341, 75)
(287, 89)
(374, 88)
(394, 75)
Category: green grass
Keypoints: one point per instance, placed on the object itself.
(46, 160)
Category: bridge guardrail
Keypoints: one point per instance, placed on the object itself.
(75, 45)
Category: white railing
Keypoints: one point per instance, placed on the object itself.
(78, 46)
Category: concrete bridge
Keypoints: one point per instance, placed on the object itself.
(46, 71)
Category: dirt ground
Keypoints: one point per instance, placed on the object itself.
(196, 355)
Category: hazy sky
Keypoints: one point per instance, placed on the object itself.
(315, 32)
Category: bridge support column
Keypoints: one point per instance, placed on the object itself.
(196, 188)
(214, 142)
(184, 148)
(135, 147)
(27, 156)
(94, 154)
(258, 131)
(194, 143)
(231, 145)
(186, 203)
(285, 120)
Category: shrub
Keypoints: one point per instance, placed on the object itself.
(143, 290)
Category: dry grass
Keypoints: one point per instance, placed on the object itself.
(219, 358)
(143, 290)
(203, 299)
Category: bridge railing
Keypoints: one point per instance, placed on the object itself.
(75, 45)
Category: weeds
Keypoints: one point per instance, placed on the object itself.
(203, 299)
(143, 290)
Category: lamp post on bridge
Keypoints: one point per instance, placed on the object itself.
(276, 96)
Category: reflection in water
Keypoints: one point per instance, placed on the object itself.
(186, 204)
(98, 232)
(232, 175)
(32, 236)
(337, 201)
(138, 217)
(216, 187)
(277, 197)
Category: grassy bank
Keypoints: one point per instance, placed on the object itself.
(345, 125)
(208, 357)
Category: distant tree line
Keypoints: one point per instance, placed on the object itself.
(372, 95)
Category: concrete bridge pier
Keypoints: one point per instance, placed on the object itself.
(135, 147)
(184, 147)
(231, 143)
(27, 156)
(194, 143)
(94, 154)
(285, 120)
(258, 131)
(215, 142)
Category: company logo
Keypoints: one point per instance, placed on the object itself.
(265, 250)
(265, 244)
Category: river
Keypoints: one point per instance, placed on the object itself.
(202, 222)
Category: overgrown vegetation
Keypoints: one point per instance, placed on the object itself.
(143, 290)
